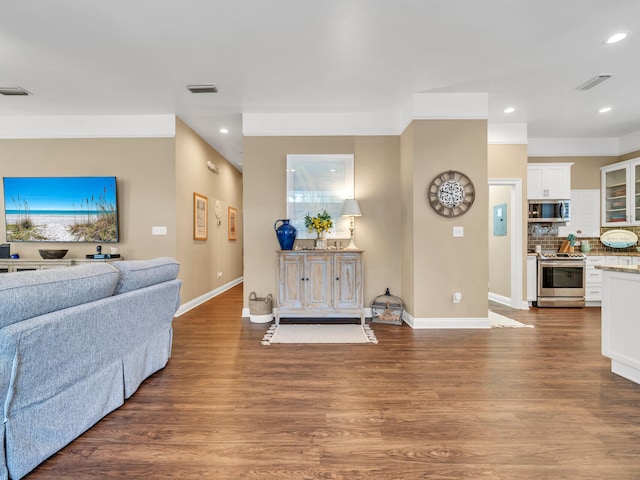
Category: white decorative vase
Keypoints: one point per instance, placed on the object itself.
(321, 241)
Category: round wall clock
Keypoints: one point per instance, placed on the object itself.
(451, 193)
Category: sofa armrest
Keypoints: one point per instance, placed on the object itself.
(135, 274)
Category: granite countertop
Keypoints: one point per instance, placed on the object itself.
(620, 268)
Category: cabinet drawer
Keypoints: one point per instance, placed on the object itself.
(593, 275)
(595, 260)
(593, 293)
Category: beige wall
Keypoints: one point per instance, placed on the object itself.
(377, 189)
(202, 260)
(500, 245)
(628, 156)
(442, 264)
(408, 247)
(156, 181)
(510, 161)
(146, 187)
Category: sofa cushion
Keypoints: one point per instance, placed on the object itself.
(136, 274)
(25, 295)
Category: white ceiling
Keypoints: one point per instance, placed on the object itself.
(135, 57)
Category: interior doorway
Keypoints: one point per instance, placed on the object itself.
(506, 277)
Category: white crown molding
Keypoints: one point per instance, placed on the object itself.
(428, 106)
(322, 124)
(630, 143)
(89, 126)
(507, 134)
(573, 147)
(424, 106)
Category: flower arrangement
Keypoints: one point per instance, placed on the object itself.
(320, 223)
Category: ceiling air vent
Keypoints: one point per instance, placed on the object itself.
(13, 91)
(204, 88)
(593, 81)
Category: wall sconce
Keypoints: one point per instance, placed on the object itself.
(351, 209)
(213, 167)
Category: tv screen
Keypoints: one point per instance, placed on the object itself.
(61, 209)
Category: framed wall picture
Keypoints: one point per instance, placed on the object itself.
(232, 223)
(316, 183)
(200, 217)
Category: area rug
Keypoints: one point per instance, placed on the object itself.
(319, 333)
(500, 321)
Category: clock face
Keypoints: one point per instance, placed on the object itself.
(451, 193)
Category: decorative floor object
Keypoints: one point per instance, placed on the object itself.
(319, 333)
(499, 321)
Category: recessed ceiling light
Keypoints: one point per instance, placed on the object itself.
(224, 130)
(615, 38)
(509, 110)
(605, 110)
(203, 88)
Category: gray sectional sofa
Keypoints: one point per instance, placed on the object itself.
(74, 344)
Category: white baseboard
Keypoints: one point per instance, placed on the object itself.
(191, 304)
(500, 299)
(507, 301)
(445, 323)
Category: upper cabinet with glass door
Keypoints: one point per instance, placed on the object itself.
(621, 193)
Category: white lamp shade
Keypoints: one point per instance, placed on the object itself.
(350, 208)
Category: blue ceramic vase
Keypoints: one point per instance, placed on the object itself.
(286, 234)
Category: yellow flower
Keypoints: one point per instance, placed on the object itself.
(320, 223)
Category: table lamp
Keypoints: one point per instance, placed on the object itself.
(351, 209)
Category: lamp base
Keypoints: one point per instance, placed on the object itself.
(352, 245)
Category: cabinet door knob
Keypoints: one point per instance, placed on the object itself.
(337, 278)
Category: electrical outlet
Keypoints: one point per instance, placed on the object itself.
(219, 274)
(457, 297)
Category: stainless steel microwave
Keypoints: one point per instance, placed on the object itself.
(549, 211)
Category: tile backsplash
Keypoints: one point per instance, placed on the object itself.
(546, 235)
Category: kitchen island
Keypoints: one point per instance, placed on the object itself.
(620, 319)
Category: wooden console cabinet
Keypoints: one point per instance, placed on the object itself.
(319, 284)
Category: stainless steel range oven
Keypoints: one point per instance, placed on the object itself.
(561, 279)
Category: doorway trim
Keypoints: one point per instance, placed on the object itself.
(516, 253)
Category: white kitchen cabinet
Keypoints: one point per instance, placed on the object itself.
(630, 260)
(549, 181)
(584, 214)
(532, 278)
(319, 284)
(593, 283)
(621, 193)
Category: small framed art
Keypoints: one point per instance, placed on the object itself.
(232, 223)
(200, 217)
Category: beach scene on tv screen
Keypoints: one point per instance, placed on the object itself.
(61, 209)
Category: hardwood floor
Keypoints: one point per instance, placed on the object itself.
(421, 404)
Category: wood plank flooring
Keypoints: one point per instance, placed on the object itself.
(421, 404)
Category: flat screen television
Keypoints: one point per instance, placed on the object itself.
(61, 209)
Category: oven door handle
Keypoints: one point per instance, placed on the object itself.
(563, 263)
